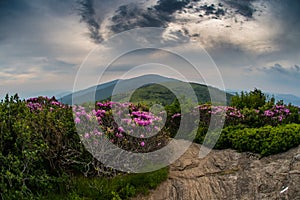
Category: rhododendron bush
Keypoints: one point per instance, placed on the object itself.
(275, 115)
(130, 127)
(237, 120)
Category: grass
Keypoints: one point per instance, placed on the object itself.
(119, 187)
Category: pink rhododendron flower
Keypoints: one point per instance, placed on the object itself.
(86, 136)
(176, 115)
(120, 129)
(77, 120)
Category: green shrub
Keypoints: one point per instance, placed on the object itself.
(223, 141)
(40, 149)
(252, 118)
(23, 167)
(41, 153)
(265, 140)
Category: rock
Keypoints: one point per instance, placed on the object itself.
(227, 174)
(297, 157)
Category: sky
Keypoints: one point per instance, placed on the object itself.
(47, 46)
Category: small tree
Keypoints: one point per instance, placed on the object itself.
(253, 100)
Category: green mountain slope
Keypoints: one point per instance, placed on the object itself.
(161, 94)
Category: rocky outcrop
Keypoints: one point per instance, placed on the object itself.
(227, 174)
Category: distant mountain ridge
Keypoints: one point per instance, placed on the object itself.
(150, 90)
(105, 90)
(288, 98)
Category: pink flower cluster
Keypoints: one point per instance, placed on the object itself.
(142, 118)
(133, 121)
(41, 103)
(34, 106)
(218, 110)
(235, 116)
(106, 104)
(279, 112)
(80, 111)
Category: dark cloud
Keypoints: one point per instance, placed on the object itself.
(278, 68)
(87, 14)
(212, 10)
(161, 14)
(243, 7)
(132, 16)
(171, 6)
(293, 71)
(284, 24)
(286, 14)
(16, 9)
(10, 8)
(24, 20)
(286, 9)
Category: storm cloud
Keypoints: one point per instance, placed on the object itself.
(132, 16)
(170, 6)
(243, 7)
(87, 13)
(136, 14)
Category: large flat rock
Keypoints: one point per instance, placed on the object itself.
(227, 174)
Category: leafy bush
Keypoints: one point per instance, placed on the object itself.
(274, 115)
(41, 152)
(265, 140)
(269, 140)
(23, 166)
(252, 118)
